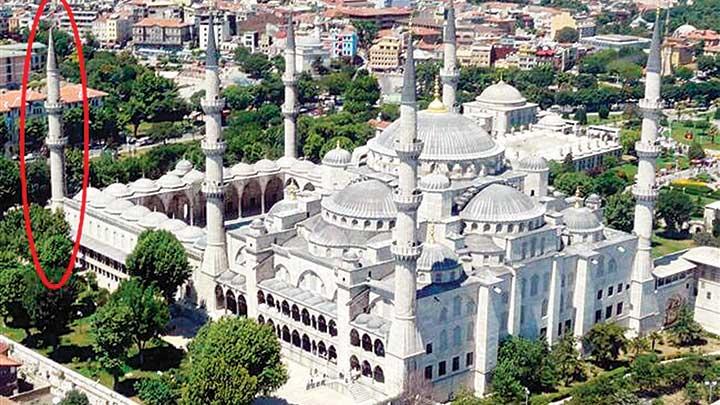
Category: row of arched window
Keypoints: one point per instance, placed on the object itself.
(367, 343)
(317, 348)
(366, 370)
(318, 323)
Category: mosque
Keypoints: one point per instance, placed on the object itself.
(402, 265)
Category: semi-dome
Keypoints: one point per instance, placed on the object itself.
(190, 234)
(135, 213)
(194, 176)
(182, 167)
(173, 225)
(501, 93)
(243, 170)
(434, 181)
(337, 157)
(152, 220)
(501, 203)
(370, 199)
(118, 190)
(144, 185)
(534, 163)
(437, 257)
(266, 166)
(581, 219)
(170, 181)
(447, 136)
(117, 207)
(92, 193)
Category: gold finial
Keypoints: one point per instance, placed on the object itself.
(578, 197)
(292, 191)
(431, 233)
(437, 86)
(337, 144)
(437, 105)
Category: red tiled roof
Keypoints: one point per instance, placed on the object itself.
(69, 94)
(161, 22)
(368, 12)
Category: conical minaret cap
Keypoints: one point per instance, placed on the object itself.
(212, 54)
(409, 94)
(51, 57)
(449, 31)
(654, 63)
(290, 42)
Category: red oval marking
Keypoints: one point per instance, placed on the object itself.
(86, 143)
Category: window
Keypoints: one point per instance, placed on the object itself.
(428, 348)
(708, 295)
(457, 305)
(619, 308)
(428, 373)
(543, 332)
(599, 294)
(522, 314)
(457, 336)
(568, 326)
(619, 288)
(610, 291)
(544, 309)
(534, 281)
(443, 345)
(442, 368)
(608, 311)
(546, 282)
(469, 359)
(598, 315)
(456, 363)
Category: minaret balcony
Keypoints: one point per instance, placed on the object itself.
(645, 193)
(407, 202)
(212, 189)
(289, 79)
(53, 107)
(407, 150)
(449, 76)
(650, 106)
(406, 253)
(214, 106)
(55, 143)
(290, 111)
(647, 150)
(213, 148)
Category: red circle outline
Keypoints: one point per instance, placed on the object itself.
(86, 150)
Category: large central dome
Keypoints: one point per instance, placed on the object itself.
(449, 138)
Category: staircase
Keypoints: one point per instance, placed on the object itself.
(359, 393)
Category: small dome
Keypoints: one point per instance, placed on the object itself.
(552, 120)
(683, 30)
(437, 257)
(371, 199)
(194, 176)
(501, 203)
(581, 220)
(170, 181)
(190, 234)
(152, 220)
(117, 207)
(243, 170)
(434, 181)
(501, 93)
(534, 163)
(303, 166)
(286, 162)
(266, 166)
(92, 193)
(593, 199)
(144, 186)
(135, 213)
(101, 201)
(173, 225)
(118, 190)
(283, 206)
(337, 157)
(183, 167)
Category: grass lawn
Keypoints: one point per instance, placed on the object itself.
(662, 245)
(669, 162)
(629, 169)
(594, 119)
(679, 130)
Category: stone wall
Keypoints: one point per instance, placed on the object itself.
(41, 371)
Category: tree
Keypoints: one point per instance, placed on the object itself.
(159, 259)
(655, 337)
(366, 32)
(566, 358)
(111, 338)
(35, 131)
(628, 139)
(686, 331)
(645, 372)
(638, 345)
(605, 341)
(38, 181)
(696, 151)
(675, 208)
(693, 393)
(581, 116)
(9, 184)
(567, 35)
(570, 182)
(157, 391)
(231, 361)
(45, 224)
(5, 135)
(608, 183)
(523, 363)
(362, 94)
(75, 397)
(12, 289)
(603, 111)
(683, 73)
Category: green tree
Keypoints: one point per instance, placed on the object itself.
(683, 73)
(308, 89)
(675, 208)
(389, 112)
(603, 111)
(231, 361)
(696, 151)
(160, 260)
(12, 289)
(45, 224)
(35, 131)
(655, 337)
(609, 183)
(638, 345)
(362, 94)
(9, 184)
(5, 135)
(366, 32)
(567, 35)
(38, 181)
(75, 397)
(111, 337)
(567, 360)
(628, 139)
(523, 363)
(693, 393)
(157, 391)
(645, 372)
(605, 342)
(581, 116)
(686, 331)
(569, 183)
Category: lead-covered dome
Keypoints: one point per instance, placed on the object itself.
(144, 185)
(117, 207)
(581, 219)
(338, 157)
(501, 93)
(501, 203)
(533, 163)
(182, 167)
(118, 190)
(369, 199)
(170, 181)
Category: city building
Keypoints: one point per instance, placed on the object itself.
(8, 373)
(615, 41)
(84, 19)
(501, 109)
(113, 29)
(408, 259)
(475, 55)
(12, 60)
(385, 53)
(560, 21)
(344, 42)
(161, 34)
(222, 31)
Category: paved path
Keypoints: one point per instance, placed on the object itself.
(294, 392)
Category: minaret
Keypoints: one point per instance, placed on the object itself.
(215, 260)
(405, 341)
(643, 301)
(55, 140)
(290, 108)
(449, 72)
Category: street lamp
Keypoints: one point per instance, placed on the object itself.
(711, 388)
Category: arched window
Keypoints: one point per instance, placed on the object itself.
(379, 348)
(295, 313)
(261, 297)
(366, 369)
(469, 335)
(443, 314)
(612, 266)
(322, 350)
(261, 319)
(366, 343)
(354, 337)
(354, 363)
(332, 329)
(286, 334)
(270, 300)
(457, 305)
(534, 281)
(378, 375)
(285, 308)
(443, 345)
(523, 287)
(332, 354)
(296, 338)
(457, 336)
(305, 343)
(305, 315)
(322, 325)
